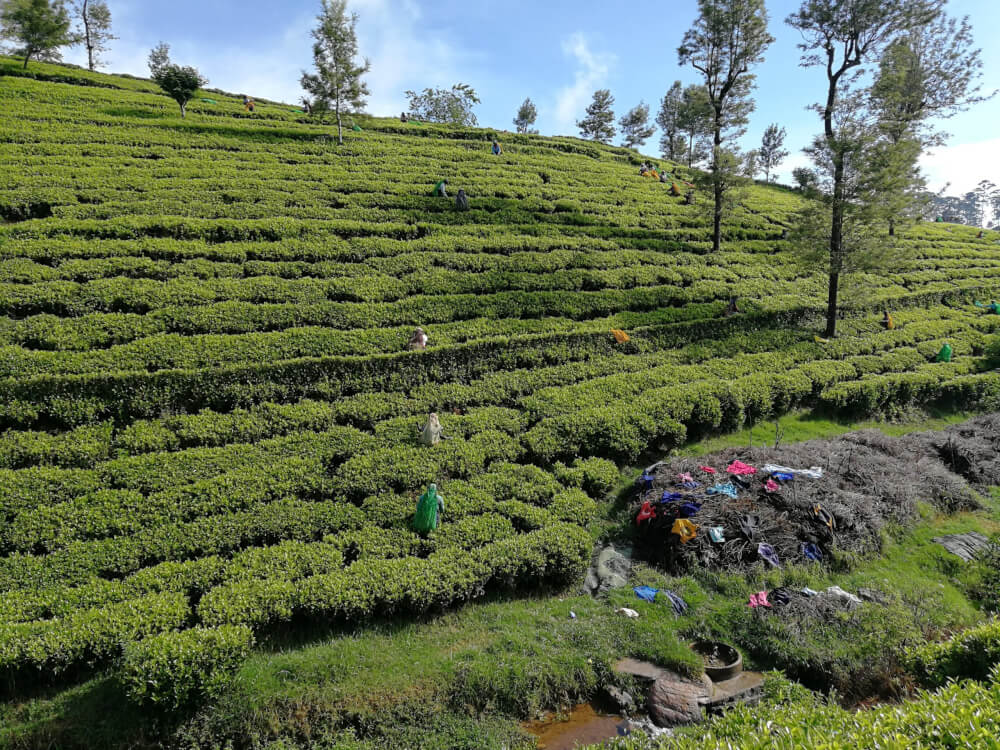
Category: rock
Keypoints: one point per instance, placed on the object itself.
(677, 700)
(642, 669)
(621, 699)
(966, 546)
(609, 569)
(873, 596)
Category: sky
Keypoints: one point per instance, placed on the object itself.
(558, 52)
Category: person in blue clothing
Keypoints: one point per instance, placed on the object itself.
(496, 148)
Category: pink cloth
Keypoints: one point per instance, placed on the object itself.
(684, 478)
(771, 486)
(739, 468)
(759, 600)
(708, 469)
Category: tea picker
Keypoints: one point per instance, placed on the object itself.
(429, 507)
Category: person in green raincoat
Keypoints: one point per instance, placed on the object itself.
(429, 507)
(440, 190)
(945, 354)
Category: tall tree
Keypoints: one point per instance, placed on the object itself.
(840, 36)
(751, 161)
(635, 126)
(672, 140)
(452, 106)
(599, 124)
(695, 120)
(337, 83)
(772, 151)
(932, 70)
(527, 113)
(41, 27)
(159, 58)
(94, 29)
(726, 40)
(178, 82)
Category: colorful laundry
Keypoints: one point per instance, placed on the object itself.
(646, 593)
(771, 486)
(811, 552)
(740, 469)
(759, 600)
(646, 481)
(809, 592)
(690, 485)
(781, 476)
(749, 525)
(722, 489)
(813, 472)
(708, 469)
(767, 553)
(645, 513)
(780, 597)
(680, 606)
(685, 530)
(685, 477)
(717, 534)
(689, 509)
(669, 497)
(824, 517)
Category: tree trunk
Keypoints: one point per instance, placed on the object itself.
(183, 110)
(86, 36)
(837, 214)
(340, 126)
(892, 227)
(831, 305)
(26, 58)
(717, 180)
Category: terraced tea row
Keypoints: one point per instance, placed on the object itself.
(210, 416)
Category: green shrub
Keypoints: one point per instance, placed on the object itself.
(176, 670)
(971, 654)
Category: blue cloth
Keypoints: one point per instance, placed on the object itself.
(812, 552)
(690, 485)
(689, 509)
(781, 476)
(669, 496)
(680, 606)
(766, 551)
(647, 593)
(723, 489)
(646, 480)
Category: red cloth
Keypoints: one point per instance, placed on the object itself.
(708, 469)
(771, 486)
(645, 513)
(759, 600)
(740, 469)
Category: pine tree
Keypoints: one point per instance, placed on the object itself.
(526, 116)
(40, 26)
(839, 37)
(771, 151)
(672, 141)
(726, 40)
(337, 83)
(94, 29)
(694, 119)
(599, 124)
(635, 126)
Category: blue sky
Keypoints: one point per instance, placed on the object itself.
(555, 51)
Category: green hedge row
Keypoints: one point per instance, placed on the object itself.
(176, 670)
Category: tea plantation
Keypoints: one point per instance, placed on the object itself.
(209, 416)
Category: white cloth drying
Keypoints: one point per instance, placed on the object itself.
(630, 613)
(813, 472)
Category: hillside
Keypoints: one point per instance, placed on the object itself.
(209, 414)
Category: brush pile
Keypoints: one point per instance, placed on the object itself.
(799, 503)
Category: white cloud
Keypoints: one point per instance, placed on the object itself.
(592, 71)
(403, 55)
(962, 165)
